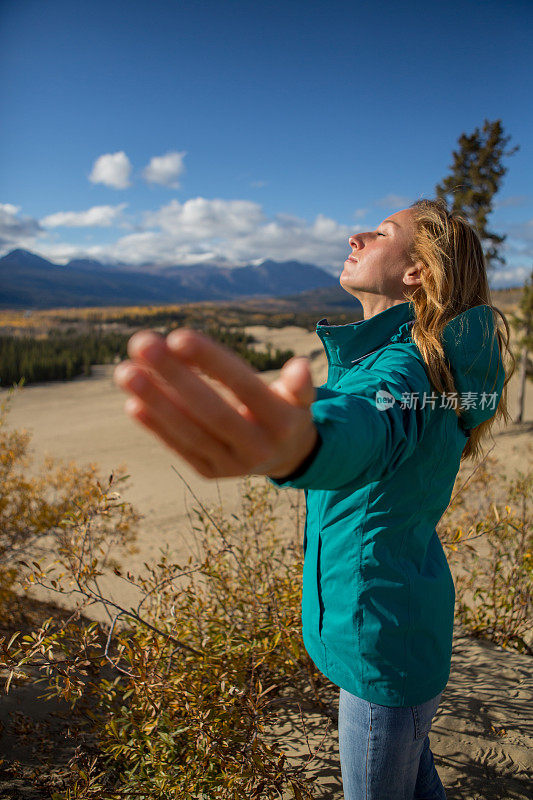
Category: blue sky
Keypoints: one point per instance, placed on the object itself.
(159, 131)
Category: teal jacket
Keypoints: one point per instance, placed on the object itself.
(378, 595)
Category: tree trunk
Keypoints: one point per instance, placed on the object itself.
(522, 385)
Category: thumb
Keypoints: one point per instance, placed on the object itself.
(295, 383)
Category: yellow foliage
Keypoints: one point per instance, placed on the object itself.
(57, 503)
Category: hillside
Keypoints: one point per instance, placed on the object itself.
(28, 281)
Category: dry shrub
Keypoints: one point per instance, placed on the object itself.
(487, 533)
(185, 688)
(50, 511)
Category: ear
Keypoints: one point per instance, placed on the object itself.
(412, 275)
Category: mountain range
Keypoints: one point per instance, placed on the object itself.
(29, 281)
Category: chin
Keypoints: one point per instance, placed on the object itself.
(347, 281)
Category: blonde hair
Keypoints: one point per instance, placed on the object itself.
(453, 279)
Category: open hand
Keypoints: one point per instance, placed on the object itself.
(252, 429)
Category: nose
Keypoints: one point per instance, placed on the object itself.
(355, 242)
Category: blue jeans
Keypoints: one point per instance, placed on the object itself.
(384, 751)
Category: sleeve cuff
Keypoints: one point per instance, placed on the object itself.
(301, 468)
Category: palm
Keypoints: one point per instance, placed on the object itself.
(211, 407)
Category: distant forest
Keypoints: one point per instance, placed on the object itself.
(63, 356)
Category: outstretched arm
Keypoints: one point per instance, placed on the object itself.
(363, 441)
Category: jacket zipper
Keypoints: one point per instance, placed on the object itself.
(355, 360)
(365, 355)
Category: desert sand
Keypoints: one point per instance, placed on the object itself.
(483, 729)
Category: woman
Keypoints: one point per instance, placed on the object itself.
(376, 449)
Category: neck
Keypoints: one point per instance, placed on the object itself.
(376, 303)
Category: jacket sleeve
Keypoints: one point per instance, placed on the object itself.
(361, 439)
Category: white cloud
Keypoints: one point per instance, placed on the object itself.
(165, 170)
(231, 232)
(201, 218)
(62, 252)
(15, 230)
(97, 216)
(9, 209)
(216, 231)
(112, 169)
(360, 213)
(394, 201)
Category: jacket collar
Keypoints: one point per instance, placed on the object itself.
(346, 344)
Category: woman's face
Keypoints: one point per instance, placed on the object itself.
(379, 263)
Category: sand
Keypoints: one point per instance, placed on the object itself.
(482, 731)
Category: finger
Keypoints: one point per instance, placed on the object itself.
(173, 425)
(135, 409)
(295, 382)
(204, 405)
(219, 362)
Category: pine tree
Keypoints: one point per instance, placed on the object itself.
(475, 177)
(522, 322)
